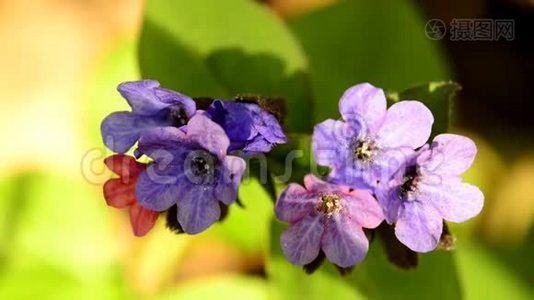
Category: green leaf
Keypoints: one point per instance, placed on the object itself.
(290, 162)
(270, 188)
(437, 96)
(515, 255)
(247, 228)
(224, 48)
(14, 201)
(58, 244)
(221, 288)
(434, 278)
(381, 42)
(485, 277)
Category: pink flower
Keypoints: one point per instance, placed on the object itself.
(120, 192)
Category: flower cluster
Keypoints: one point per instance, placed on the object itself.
(380, 169)
(196, 165)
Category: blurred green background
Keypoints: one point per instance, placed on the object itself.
(61, 60)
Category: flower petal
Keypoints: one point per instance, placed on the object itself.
(419, 226)
(363, 208)
(357, 176)
(331, 142)
(146, 98)
(258, 144)
(142, 220)
(120, 130)
(301, 242)
(456, 202)
(389, 161)
(294, 203)
(172, 98)
(119, 194)
(267, 125)
(233, 168)
(363, 106)
(236, 118)
(197, 209)
(388, 192)
(247, 124)
(141, 97)
(313, 183)
(449, 155)
(208, 134)
(390, 200)
(124, 165)
(344, 242)
(162, 139)
(317, 186)
(407, 123)
(158, 190)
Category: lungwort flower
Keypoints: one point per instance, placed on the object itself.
(249, 127)
(191, 170)
(120, 192)
(430, 189)
(371, 142)
(152, 106)
(328, 218)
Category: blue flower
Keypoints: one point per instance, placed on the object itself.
(190, 169)
(249, 127)
(152, 106)
(429, 190)
(371, 142)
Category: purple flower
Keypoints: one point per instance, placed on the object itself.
(430, 189)
(370, 143)
(152, 106)
(326, 217)
(190, 170)
(249, 127)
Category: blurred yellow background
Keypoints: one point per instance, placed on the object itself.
(56, 228)
(49, 49)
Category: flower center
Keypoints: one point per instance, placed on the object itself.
(178, 117)
(329, 204)
(410, 182)
(200, 166)
(364, 150)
